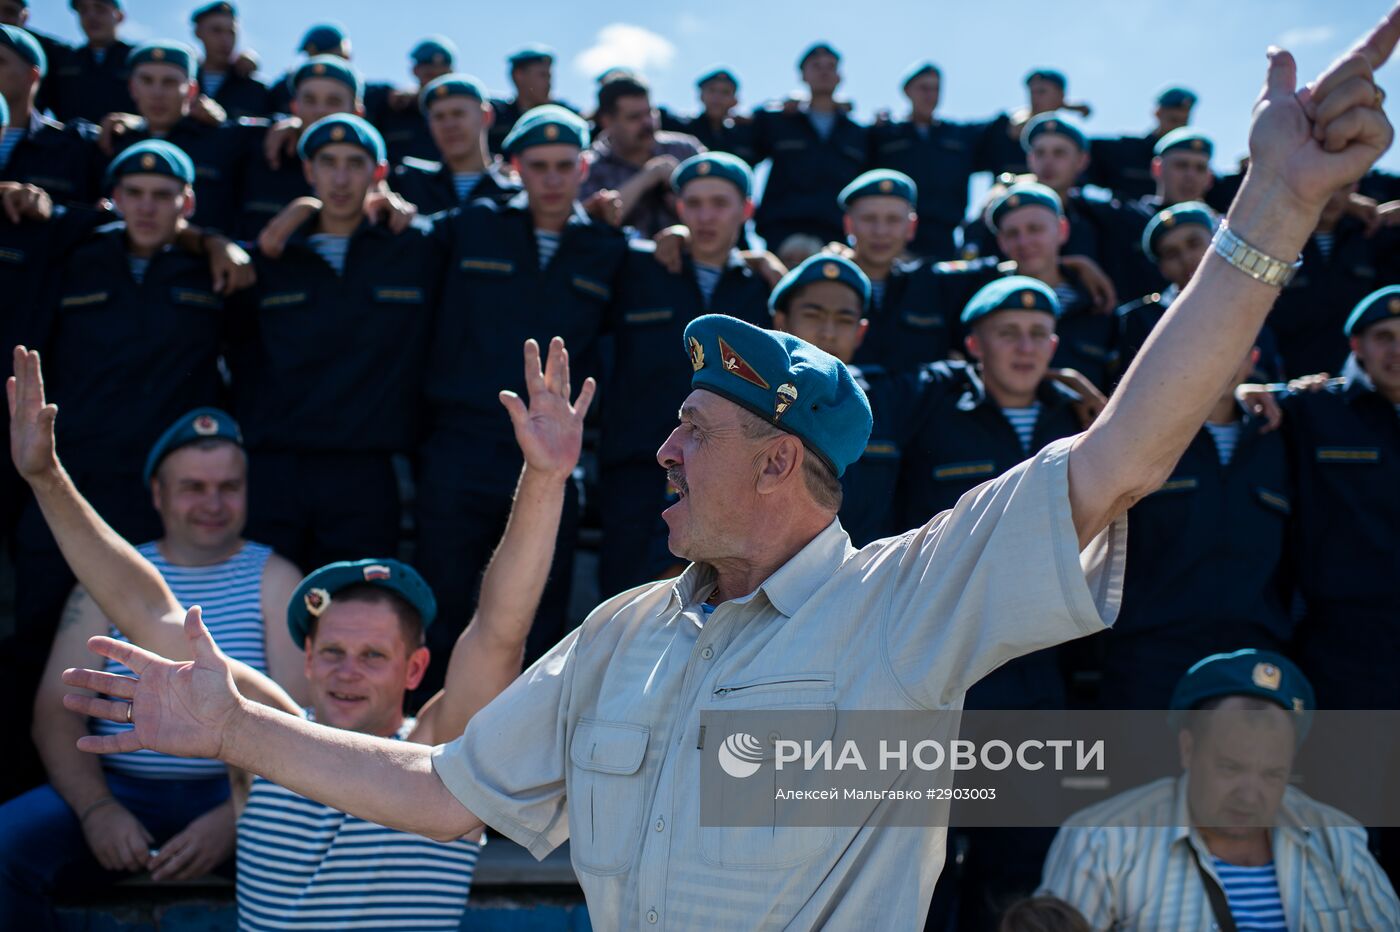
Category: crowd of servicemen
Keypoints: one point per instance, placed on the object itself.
(320, 286)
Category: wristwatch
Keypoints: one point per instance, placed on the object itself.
(1257, 265)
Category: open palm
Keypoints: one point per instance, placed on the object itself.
(176, 708)
(550, 430)
(31, 418)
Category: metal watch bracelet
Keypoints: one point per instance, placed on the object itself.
(1257, 265)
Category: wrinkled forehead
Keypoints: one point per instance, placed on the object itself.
(353, 621)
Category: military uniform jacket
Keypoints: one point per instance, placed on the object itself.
(1344, 444)
(1310, 313)
(61, 159)
(31, 255)
(1123, 165)
(329, 362)
(732, 136)
(1088, 339)
(219, 154)
(647, 318)
(917, 320)
(807, 172)
(1209, 546)
(265, 190)
(82, 88)
(429, 185)
(127, 359)
(240, 96)
(405, 131)
(940, 163)
(495, 296)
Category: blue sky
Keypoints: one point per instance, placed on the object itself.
(1117, 54)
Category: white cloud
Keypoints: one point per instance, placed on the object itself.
(1301, 36)
(623, 45)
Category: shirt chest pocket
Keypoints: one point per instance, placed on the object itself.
(749, 717)
(607, 793)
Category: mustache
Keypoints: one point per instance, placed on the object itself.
(676, 476)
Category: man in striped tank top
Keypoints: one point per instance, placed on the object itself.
(1229, 844)
(143, 810)
(302, 864)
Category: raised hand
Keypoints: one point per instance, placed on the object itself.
(31, 418)
(550, 430)
(183, 709)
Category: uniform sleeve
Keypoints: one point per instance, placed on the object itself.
(1077, 872)
(1370, 898)
(508, 767)
(997, 576)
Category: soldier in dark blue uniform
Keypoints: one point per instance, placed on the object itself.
(718, 126)
(1341, 265)
(647, 318)
(16, 13)
(1208, 567)
(397, 115)
(63, 160)
(220, 78)
(1123, 164)
(940, 156)
(1046, 90)
(90, 81)
(324, 85)
(458, 117)
(1180, 170)
(163, 86)
(321, 39)
(328, 367)
(534, 268)
(814, 151)
(1344, 444)
(532, 74)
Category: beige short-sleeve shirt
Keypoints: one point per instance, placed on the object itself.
(596, 743)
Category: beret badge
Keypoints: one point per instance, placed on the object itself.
(316, 601)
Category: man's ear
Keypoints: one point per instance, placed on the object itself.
(781, 461)
(1185, 747)
(973, 345)
(861, 332)
(188, 210)
(381, 171)
(1064, 230)
(488, 115)
(748, 211)
(417, 666)
(1157, 168)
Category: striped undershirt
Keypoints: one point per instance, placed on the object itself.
(464, 182)
(1069, 298)
(304, 865)
(707, 277)
(212, 81)
(1023, 422)
(1253, 895)
(877, 293)
(1325, 242)
(1226, 437)
(230, 594)
(332, 247)
(9, 138)
(548, 244)
(138, 265)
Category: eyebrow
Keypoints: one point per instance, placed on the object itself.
(808, 303)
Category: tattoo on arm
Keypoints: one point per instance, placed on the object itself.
(73, 608)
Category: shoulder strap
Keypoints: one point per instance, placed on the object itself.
(1219, 905)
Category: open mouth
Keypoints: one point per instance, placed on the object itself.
(346, 697)
(677, 480)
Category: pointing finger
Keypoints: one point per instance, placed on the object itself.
(1380, 42)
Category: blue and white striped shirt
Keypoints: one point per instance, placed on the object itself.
(230, 593)
(707, 280)
(548, 244)
(1023, 422)
(304, 865)
(1226, 437)
(1252, 893)
(332, 247)
(464, 182)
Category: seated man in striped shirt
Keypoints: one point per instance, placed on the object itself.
(143, 810)
(302, 864)
(1229, 844)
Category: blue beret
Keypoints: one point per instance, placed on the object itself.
(1026, 194)
(786, 381)
(450, 85)
(714, 165)
(1249, 672)
(434, 50)
(879, 182)
(813, 49)
(1169, 218)
(209, 9)
(25, 46)
(823, 267)
(313, 596)
(163, 52)
(4, 113)
(1176, 97)
(1374, 308)
(151, 157)
(1012, 293)
(530, 53)
(320, 39)
(116, 3)
(1049, 74)
(548, 124)
(192, 427)
(341, 127)
(918, 70)
(329, 66)
(715, 73)
(1186, 139)
(1056, 124)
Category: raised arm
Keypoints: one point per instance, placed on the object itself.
(488, 654)
(123, 583)
(1304, 145)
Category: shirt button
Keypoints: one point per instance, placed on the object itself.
(707, 653)
(651, 915)
(660, 825)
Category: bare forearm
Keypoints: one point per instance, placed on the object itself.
(388, 782)
(515, 577)
(634, 189)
